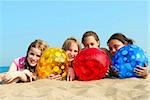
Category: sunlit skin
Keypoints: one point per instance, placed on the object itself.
(114, 46)
(72, 51)
(33, 56)
(90, 42)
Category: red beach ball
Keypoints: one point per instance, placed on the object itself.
(91, 64)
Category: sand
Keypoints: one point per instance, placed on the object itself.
(104, 89)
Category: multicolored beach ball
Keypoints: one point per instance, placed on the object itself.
(127, 58)
(91, 64)
(53, 61)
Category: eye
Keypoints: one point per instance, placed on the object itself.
(92, 44)
(38, 55)
(116, 47)
(69, 49)
(75, 50)
(31, 53)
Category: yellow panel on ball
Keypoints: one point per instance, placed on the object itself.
(53, 61)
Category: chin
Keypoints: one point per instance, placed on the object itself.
(32, 65)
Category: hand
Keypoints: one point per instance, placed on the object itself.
(54, 77)
(2, 78)
(29, 76)
(141, 71)
(71, 74)
(113, 72)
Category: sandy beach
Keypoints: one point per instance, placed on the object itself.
(104, 89)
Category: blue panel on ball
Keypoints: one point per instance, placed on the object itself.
(127, 58)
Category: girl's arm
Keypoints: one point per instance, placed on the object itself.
(71, 74)
(12, 77)
(16, 76)
(12, 67)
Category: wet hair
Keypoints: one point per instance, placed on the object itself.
(121, 37)
(66, 45)
(41, 45)
(90, 33)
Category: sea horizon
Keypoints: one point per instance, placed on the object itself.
(4, 68)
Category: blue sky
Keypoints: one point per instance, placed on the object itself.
(21, 22)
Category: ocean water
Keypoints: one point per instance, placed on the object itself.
(149, 63)
(4, 69)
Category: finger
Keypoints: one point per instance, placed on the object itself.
(142, 73)
(8, 80)
(31, 79)
(52, 76)
(59, 78)
(139, 73)
(138, 70)
(15, 80)
(33, 76)
(29, 74)
(68, 78)
(138, 66)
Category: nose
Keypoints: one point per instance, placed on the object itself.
(72, 53)
(113, 51)
(90, 46)
(34, 57)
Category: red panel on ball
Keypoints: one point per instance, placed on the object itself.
(91, 64)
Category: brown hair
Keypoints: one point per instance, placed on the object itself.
(121, 37)
(90, 33)
(68, 43)
(38, 43)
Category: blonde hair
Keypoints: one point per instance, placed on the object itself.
(38, 43)
(68, 43)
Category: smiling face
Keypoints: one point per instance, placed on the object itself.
(34, 55)
(90, 42)
(114, 46)
(72, 47)
(72, 51)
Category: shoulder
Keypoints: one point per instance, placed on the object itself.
(19, 62)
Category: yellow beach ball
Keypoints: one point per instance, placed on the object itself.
(53, 61)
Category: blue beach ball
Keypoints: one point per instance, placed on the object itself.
(127, 58)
